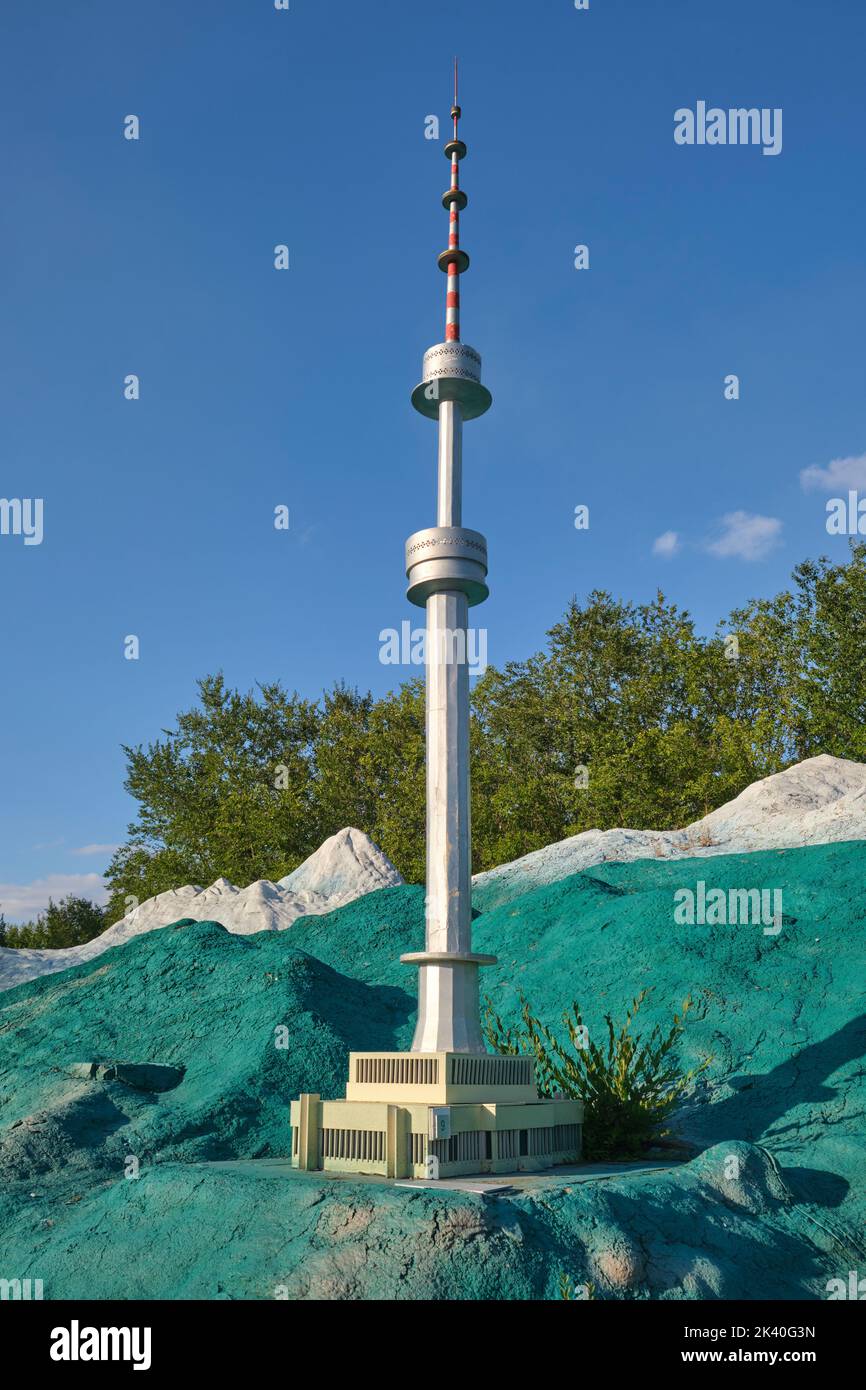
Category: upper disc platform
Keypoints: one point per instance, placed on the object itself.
(451, 372)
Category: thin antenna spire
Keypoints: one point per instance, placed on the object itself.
(454, 261)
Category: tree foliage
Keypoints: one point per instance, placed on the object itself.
(627, 717)
(70, 922)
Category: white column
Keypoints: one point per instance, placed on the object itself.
(448, 1011)
(450, 493)
(448, 832)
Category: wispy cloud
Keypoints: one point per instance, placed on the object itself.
(90, 850)
(667, 544)
(838, 475)
(745, 536)
(22, 901)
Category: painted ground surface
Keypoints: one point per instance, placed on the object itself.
(183, 1019)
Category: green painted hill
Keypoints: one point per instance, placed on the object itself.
(202, 1008)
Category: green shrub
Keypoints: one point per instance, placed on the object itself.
(629, 1087)
(574, 1293)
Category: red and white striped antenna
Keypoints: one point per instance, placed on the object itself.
(452, 369)
(454, 261)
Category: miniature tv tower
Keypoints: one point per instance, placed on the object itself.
(446, 566)
(448, 1108)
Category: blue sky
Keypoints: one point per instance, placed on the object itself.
(262, 387)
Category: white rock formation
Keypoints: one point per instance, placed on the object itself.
(821, 800)
(818, 801)
(343, 868)
(347, 862)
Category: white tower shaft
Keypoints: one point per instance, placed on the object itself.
(447, 570)
(448, 1012)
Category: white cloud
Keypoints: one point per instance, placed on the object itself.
(745, 536)
(22, 901)
(839, 474)
(667, 544)
(90, 850)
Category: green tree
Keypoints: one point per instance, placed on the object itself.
(811, 645)
(667, 723)
(70, 922)
(394, 768)
(228, 792)
(630, 694)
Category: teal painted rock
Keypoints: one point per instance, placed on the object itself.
(114, 1183)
